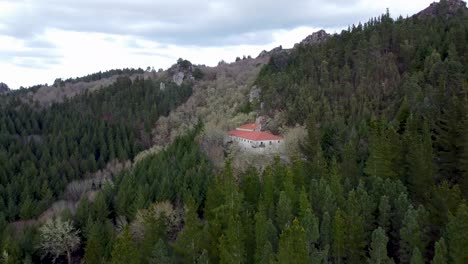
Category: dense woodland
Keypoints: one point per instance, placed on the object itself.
(381, 177)
(41, 150)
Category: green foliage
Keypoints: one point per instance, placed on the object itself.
(198, 73)
(416, 258)
(188, 240)
(95, 245)
(124, 250)
(338, 248)
(457, 240)
(43, 149)
(160, 254)
(292, 244)
(378, 249)
(441, 254)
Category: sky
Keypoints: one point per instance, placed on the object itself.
(41, 40)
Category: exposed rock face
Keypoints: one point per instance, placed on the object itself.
(315, 38)
(264, 53)
(444, 8)
(178, 78)
(4, 88)
(254, 94)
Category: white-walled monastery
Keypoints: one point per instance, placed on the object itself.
(249, 137)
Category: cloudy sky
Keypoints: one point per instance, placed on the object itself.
(41, 40)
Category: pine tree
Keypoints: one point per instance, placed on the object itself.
(457, 240)
(188, 240)
(441, 254)
(419, 160)
(378, 247)
(355, 241)
(338, 238)
(325, 231)
(231, 243)
(266, 255)
(336, 184)
(284, 213)
(384, 153)
(384, 213)
(160, 254)
(416, 258)
(411, 234)
(349, 166)
(311, 227)
(265, 233)
(292, 244)
(124, 250)
(94, 246)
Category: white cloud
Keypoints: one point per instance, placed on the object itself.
(45, 39)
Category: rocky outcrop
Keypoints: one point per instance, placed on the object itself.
(262, 54)
(446, 8)
(178, 78)
(182, 70)
(316, 37)
(4, 88)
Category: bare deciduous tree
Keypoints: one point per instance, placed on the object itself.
(58, 238)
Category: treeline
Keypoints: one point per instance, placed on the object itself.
(42, 150)
(103, 75)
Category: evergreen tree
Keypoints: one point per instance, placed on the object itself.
(265, 233)
(411, 234)
(292, 246)
(336, 184)
(416, 258)
(188, 240)
(231, 243)
(378, 247)
(94, 246)
(266, 255)
(457, 241)
(338, 238)
(419, 159)
(384, 213)
(160, 254)
(441, 254)
(124, 250)
(325, 230)
(284, 213)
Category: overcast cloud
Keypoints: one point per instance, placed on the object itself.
(44, 39)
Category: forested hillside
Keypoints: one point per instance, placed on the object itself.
(388, 88)
(41, 150)
(381, 175)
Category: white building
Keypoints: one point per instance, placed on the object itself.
(250, 138)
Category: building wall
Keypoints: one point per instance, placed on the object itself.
(246, 145)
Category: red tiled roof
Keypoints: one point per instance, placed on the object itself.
(251, 126)
(254, 135)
